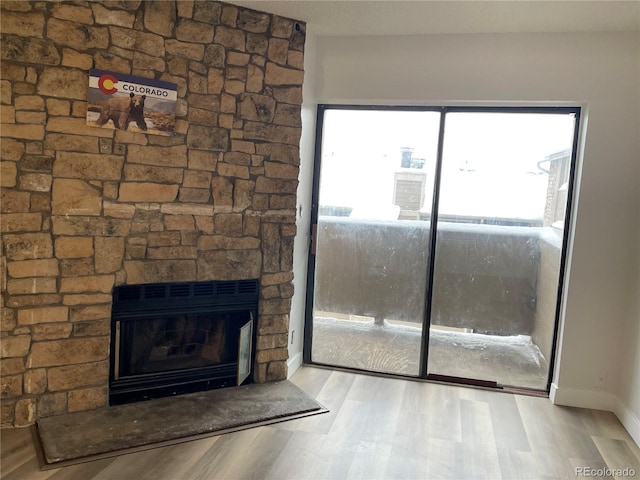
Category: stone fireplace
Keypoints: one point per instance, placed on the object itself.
(88, 210)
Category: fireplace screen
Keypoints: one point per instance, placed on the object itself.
(168, 340)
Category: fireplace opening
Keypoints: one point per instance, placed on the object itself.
(174, 338)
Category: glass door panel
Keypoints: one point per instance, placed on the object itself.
(502, 201)
(372, 238)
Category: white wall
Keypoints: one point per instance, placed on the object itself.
(599, 363)
(301, 244)
(628, 406)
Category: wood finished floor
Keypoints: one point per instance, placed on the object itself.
(378, 428)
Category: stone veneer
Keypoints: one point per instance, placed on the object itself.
(85, 209)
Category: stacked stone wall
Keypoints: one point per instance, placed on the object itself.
(85, 209)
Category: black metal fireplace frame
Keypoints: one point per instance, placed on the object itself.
(147, 301)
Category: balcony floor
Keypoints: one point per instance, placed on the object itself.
(395, 348)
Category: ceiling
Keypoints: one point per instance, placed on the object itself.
(405, 17)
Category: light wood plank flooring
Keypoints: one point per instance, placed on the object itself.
(378, 428)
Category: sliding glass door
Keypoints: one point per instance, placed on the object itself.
(371, 244)
(502, 194)
(438, 241)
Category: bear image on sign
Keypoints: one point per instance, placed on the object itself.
(117, 101)
(124, 110)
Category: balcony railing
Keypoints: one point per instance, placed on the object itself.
(488, 279)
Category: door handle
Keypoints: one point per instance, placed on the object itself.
(314, 238)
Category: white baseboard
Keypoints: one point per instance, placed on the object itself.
(629, 420)
(575, 397)
(293, 364)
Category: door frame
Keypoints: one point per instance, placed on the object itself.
(574, 109)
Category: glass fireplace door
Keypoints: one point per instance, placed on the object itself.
(176, 342)
(174, 338)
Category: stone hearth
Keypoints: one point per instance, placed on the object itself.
(87, 209)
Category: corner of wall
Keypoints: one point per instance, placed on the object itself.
(303, 215)
(600, 400)
(582, 398)
(294, 363)
(629, 420)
